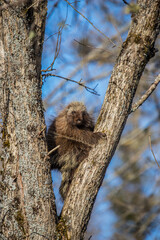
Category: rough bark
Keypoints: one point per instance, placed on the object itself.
(135, 53)
(27, 204)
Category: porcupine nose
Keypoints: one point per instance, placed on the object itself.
(79, 121)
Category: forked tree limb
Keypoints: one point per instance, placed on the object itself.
(135, 54)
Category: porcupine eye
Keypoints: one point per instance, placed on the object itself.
(83, 113)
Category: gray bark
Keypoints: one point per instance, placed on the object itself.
(135, 53)
(27, 205)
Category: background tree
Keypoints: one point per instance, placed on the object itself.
(133, 56)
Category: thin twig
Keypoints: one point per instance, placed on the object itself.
(125, 2)
(146, 95)
(58, 45)
(91, 90)
(92, 47)
(26, 10)
(44, 128)
(50, 37)
(50, 152)
(152, 151)
(53, 150)
(118, 32)
(72, 139)
(90, 23)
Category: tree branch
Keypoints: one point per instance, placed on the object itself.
(135, 54)
(91, 90)
(150, 144)
(125, 2)
(146, 95)
(91, 23)
(53, 150)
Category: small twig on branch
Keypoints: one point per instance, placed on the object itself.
(146, 95)
(90, 23)
(92, 47)
(91, 90)
(50, 152)
(58, 45)
(153, 152)
(125, 2)
(72, 139)
(50, 37)
(53, 150)
(33, 4)
(44, 128)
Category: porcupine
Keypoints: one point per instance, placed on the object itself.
(72, 129)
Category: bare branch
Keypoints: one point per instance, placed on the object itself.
(58, 45)
(150, 144)
(64, 136)
(91, 90)
(48, 102)
(146, 95)
(43, 129)
(70, 138)
(89, 46)
(125, 2)
(50, 152)
(91, 23)
(47, 39)
(33, 4)
(53, 150)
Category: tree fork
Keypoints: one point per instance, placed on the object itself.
(135, 53)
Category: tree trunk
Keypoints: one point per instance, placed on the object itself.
(27, 204)
(135, 53)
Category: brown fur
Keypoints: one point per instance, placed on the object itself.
(72, 129)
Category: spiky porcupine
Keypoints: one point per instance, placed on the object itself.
(72, 129)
